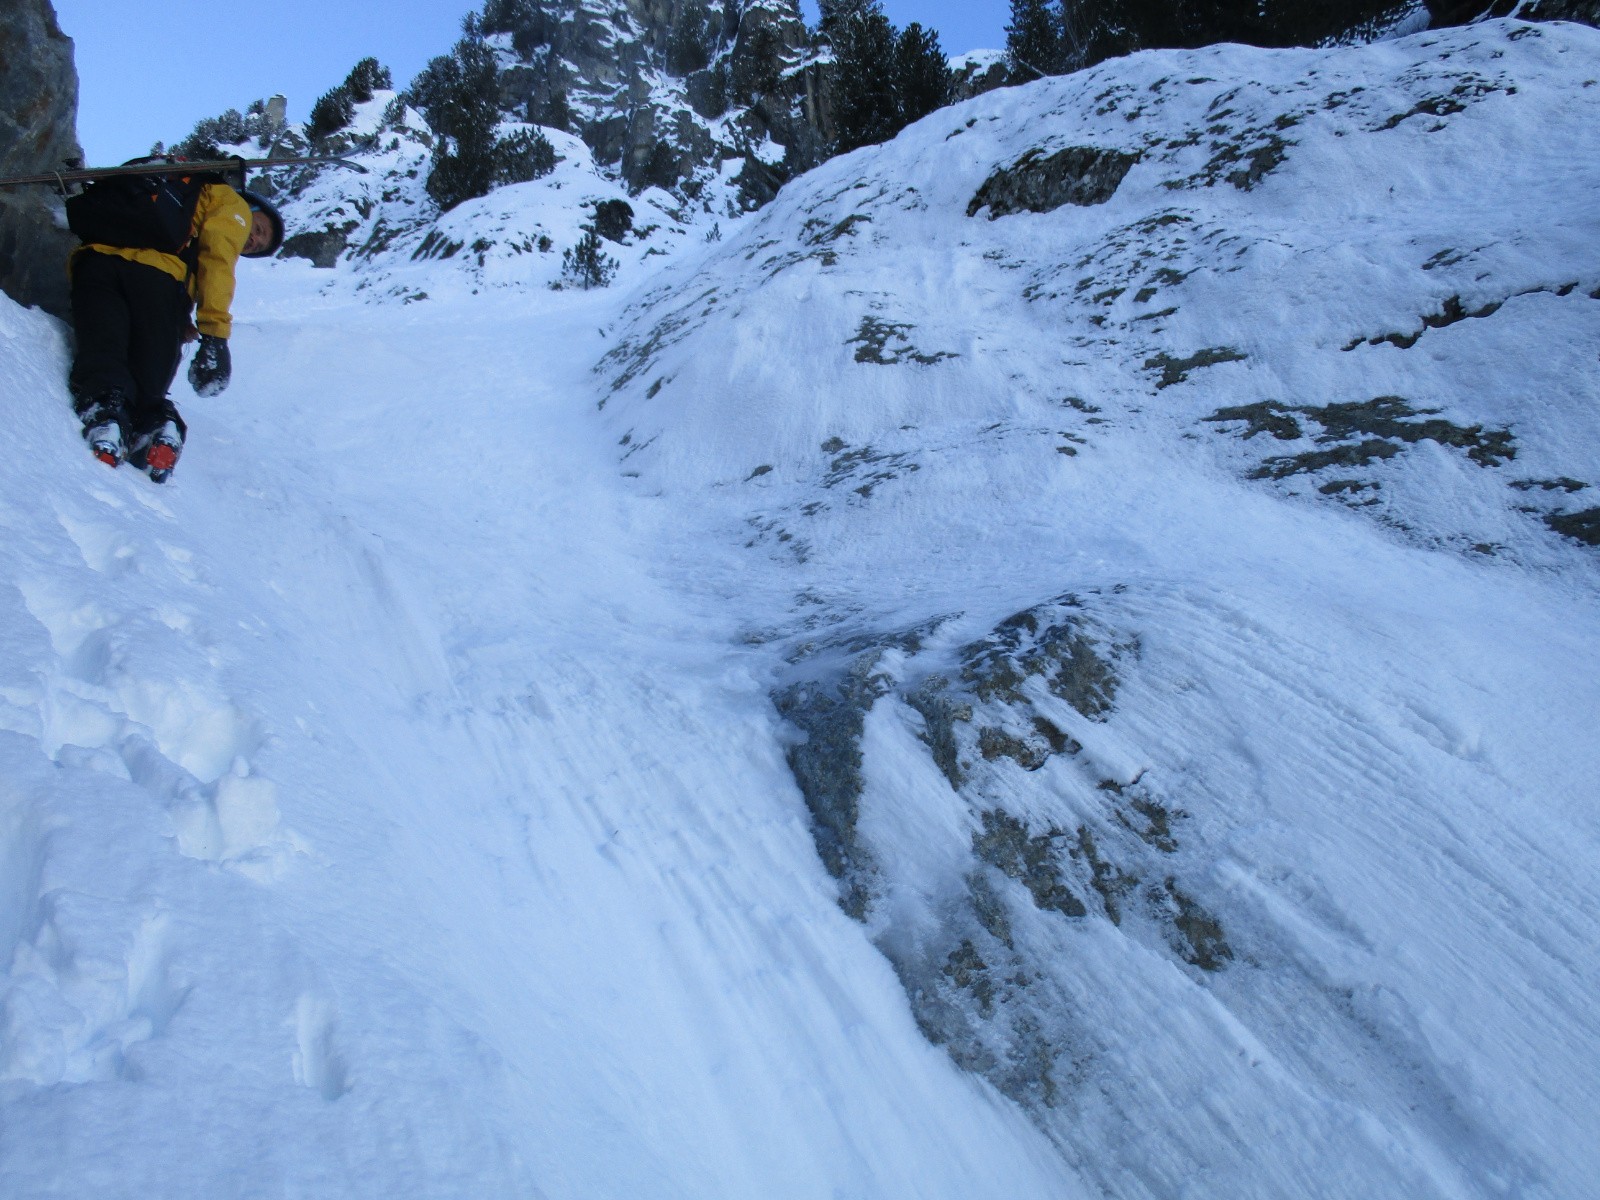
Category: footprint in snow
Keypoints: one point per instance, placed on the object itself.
(83, 992)
(319, 1063)
(103, 548)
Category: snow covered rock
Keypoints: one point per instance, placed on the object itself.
(665, 93)
(977, 72)
(393, 243)
(1338, 171)
(693, 113)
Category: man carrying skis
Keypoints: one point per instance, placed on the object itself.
(134, 286)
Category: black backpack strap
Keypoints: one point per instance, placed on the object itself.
(190, 254)
(191, 258)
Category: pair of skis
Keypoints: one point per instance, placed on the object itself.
(226, 167)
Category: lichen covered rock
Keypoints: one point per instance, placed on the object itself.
(1041, 839)
(1039, 182)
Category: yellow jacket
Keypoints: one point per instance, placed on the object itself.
(221, 228)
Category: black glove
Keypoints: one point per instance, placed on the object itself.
(211, 367)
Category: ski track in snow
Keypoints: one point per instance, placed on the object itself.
(394, 804)
(404, 799)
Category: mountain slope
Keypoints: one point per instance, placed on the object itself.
(852, 715)
(374, 826)
(1180, 590)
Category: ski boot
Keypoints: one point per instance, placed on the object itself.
(103, 419)
(157, 451)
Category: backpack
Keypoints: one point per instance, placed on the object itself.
(150, 212)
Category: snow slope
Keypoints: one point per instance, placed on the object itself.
(1185, 596)
(849, 723)
(374, 825)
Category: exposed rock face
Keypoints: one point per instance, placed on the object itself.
(38, 132)
(1463, 12)
(1014, 722)
(1585, 12)
(322, 246)
(669, 90)
(978, 72)
(1039, 183)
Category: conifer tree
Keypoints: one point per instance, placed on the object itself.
(213, 133)
(458, 92)
(506, 16)
(836, 11)
(525, 155)
(365, 78)
(585, 264)
(332, 112)
(1034, 40)
(865, 107)
(1095, 30)
(922, 74)
(337, 107)
(525, 20)
(556, 112)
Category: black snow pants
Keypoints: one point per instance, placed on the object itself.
(130, 319)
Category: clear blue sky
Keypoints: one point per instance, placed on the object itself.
(139, 86)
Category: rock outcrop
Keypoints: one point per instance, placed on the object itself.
(976, 72)
(685, 106)
(38, 132)
(1464, 12)
(1585, 12)
(668, 91)
(1039, 183)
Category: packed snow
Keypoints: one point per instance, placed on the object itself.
(890, 699)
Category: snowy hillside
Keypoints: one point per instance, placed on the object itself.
(374, 216)
(686, 114)
(398, 247)
(1058, 658)
(1184, 591)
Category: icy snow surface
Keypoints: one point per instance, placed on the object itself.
(889, 703)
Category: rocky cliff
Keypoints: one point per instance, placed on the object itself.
(688, 111)
(668, 91)
(1463, 12)
(38, 132)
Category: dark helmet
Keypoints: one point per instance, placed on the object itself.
(258, 203)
